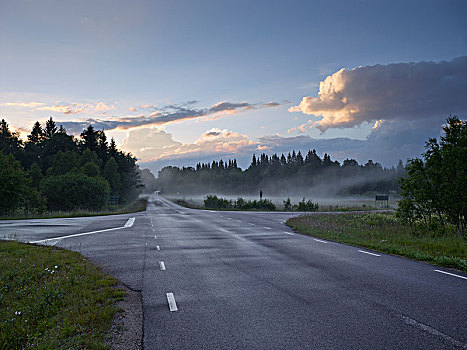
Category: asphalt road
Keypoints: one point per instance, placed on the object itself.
(243, 280)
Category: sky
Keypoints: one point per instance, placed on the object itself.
(178, 82)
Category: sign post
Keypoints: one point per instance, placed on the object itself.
(382, 199)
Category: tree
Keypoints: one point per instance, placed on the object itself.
(37, 134)
(110, 173)
(73, 191)
(437, 185)
(9, 141)
(90, 169)
(13, 183)
(50, 128)
(35, 174)
(90, 137)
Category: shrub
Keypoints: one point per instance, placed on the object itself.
(307, 206)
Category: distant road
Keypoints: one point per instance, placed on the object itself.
(243, 280)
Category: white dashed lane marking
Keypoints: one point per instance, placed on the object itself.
(364, 252)
(171, 301)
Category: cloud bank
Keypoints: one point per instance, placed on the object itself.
(165, 115)
(421, 92)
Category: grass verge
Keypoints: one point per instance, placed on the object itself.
(136, 206)
(386, 233)
(52, 298)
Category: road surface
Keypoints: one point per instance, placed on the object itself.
(243, 280)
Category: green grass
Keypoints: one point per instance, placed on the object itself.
(52, 298)
(136, 206)
(386, 233)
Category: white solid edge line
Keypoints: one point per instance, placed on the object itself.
(451, 274)
(162, 265)
(77, 235)
(433, 331)
(318, 240)
(362, 251)
(130, 222)
(267, 228)
(171, 301)
(289, 233)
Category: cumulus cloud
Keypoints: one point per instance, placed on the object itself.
(149, 144)
(421, 92)
(102, 107)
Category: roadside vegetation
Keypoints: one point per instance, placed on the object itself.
(304, 205)
(213, 202)
(430, 221)
(435, 189)
(55, 172)
(385, 232)
(134, 207)
(52, 298)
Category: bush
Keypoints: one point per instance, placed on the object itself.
(217, 203)
(73, 191)
(307, 206)
(262, 204)
(287, 204)
(214, 202)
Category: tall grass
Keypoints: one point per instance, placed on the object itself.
(386, 233)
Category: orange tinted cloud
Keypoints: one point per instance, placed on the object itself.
(399, 92)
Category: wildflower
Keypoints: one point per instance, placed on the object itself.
(17, 313)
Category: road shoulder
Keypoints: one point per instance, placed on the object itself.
(126, 332)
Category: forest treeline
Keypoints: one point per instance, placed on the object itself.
(287, 175)
(55, 171)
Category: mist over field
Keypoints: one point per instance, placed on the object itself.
(324, 203)
(278, 178)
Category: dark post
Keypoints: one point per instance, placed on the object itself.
(260, 194)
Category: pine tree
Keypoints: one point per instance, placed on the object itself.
(50, 128)
(37, 134)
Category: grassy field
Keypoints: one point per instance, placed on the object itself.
(138, 205)
(385, 233)
(52, 298)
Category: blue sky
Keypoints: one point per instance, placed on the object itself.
(136, 68)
